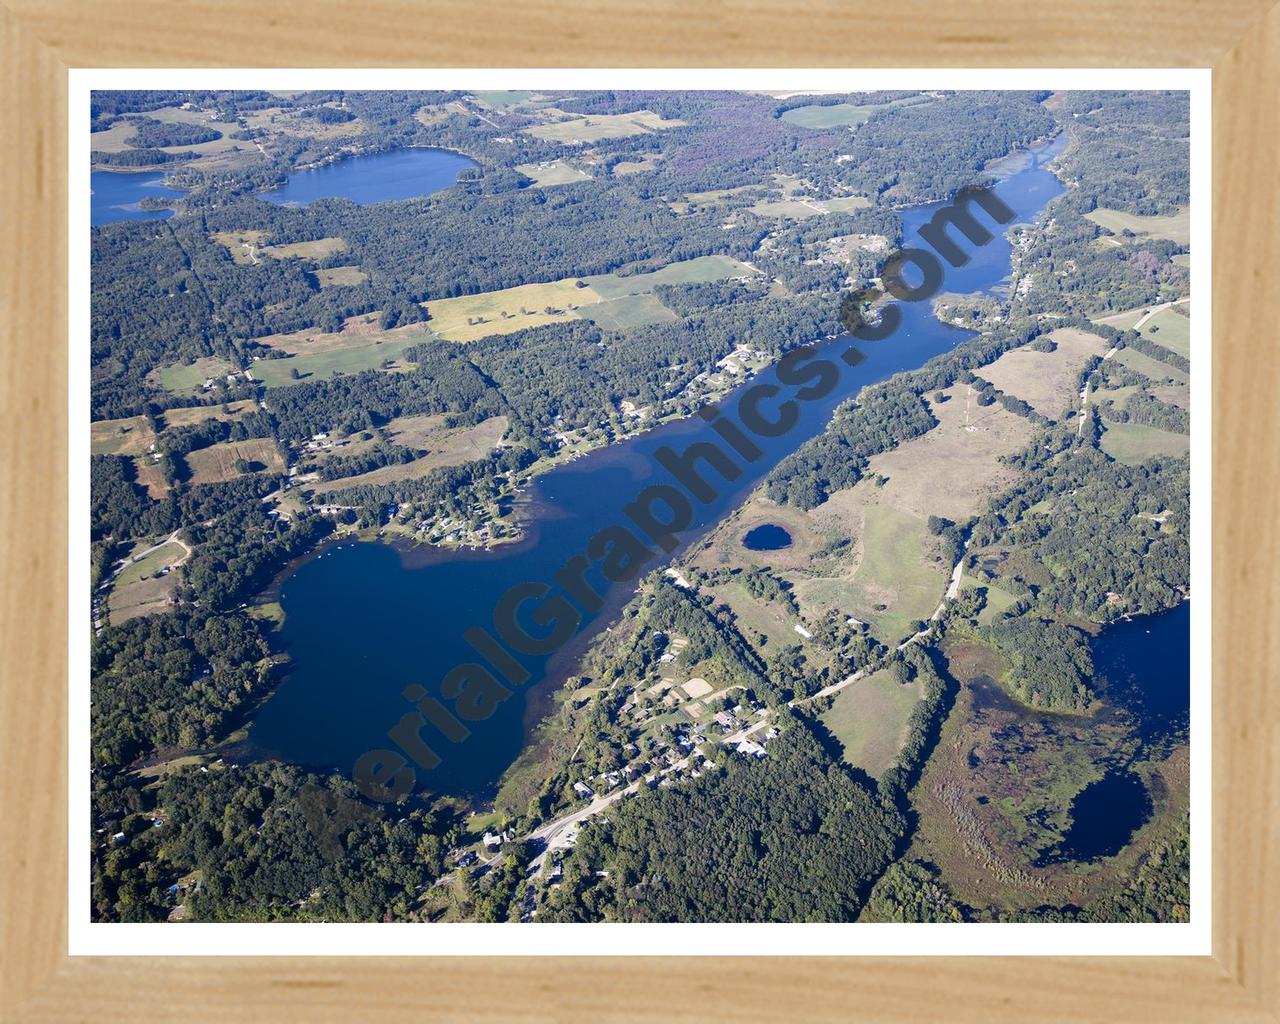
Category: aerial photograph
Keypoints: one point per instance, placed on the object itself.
(529, 506)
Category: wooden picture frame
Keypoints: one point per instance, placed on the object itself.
(42, 39)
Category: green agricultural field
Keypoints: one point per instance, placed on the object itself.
(1176, 226)
(129, 436)
(1135, 443)
(363, 353)
(870, 718)
(802, 208)
(841, 115)
(181, 378)
(835, 115)
(1170, 329)
(594, 127)
(896, 578)
(554, 172)
(627, 312)
(699, 270)
(500, 99)
(1153, 369)
(317, 355)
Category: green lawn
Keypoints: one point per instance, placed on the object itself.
(1176, 226)
(841, 114)
(179, 377)
(628, 311)
(501, 98)
(363, 354)
(699, 270)
(869, 718)
(1170, 329)
(1135, 443)
(556, 172)
(1153, 369)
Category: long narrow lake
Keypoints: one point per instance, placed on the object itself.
(366, 620)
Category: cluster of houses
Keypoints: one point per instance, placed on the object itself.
(211, 382)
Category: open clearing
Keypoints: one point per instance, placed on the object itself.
(650, 162)
(870, 720)
(129, 436)
(699, 270)
(955, 467)
(217, 463)
(594, 127)
(1046, 380)
(316, 355)
(242, 245)
(229, 412)
(552, 172)
(246, 247)
(1174, 394)
(293, 122)
(317, 249)
(1176, 226)
(757, 617)
(470, 317)
(896, 575)
(1153, 369)
(801, 208)
(1170, 329)
(500, 99)
(1135, 443)
(141, 588)
(222, 153)
(335, 277)
(627, 312)
(181, 378)
(444, 447)
(148, 474)
(838, 115)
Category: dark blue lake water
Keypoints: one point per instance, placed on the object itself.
(1144, 666)
(116, 195)
(768, 537)
(366, 620)
(380, 178)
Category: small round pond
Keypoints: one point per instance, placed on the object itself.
(767, 537)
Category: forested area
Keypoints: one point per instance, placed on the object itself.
(260, 842)
(792, 837)
(172, 681)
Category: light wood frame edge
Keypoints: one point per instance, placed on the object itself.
(40, 41)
